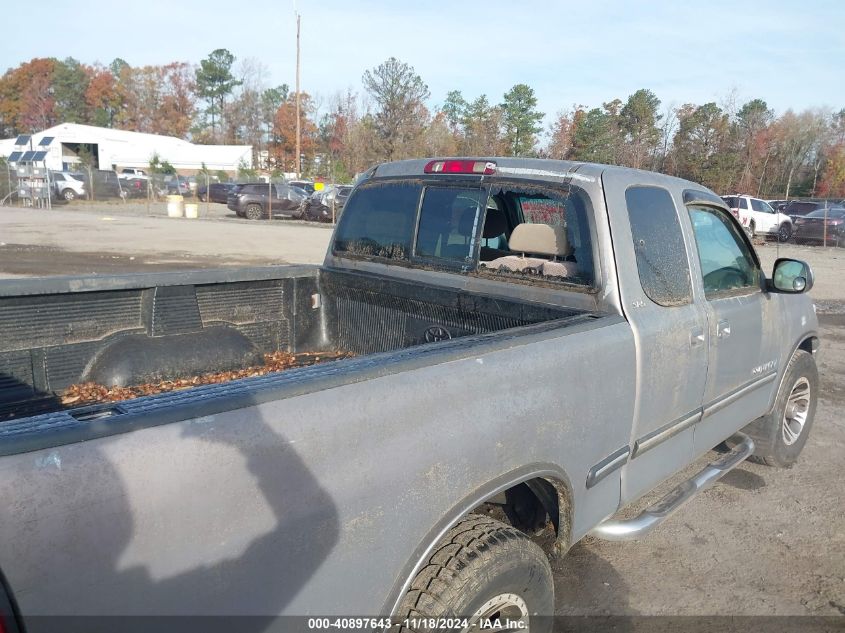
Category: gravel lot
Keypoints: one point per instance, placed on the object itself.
(761, 542)
(109, 238)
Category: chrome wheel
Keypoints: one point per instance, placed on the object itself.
(509, 608)
(797, 408)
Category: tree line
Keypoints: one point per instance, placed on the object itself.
(728, 147)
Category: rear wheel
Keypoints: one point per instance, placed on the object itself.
(254, 212)
(784, 232)
(780, 436)
(69, 194)
(482, 568)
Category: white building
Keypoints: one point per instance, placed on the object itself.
(118, 149)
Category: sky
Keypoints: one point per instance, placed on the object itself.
(791, 54)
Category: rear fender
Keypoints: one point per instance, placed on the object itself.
(552, 474)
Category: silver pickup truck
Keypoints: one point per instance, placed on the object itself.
(534, 346)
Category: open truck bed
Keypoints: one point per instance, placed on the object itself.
(135, 329)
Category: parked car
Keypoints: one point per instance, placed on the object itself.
(67, 186)
(798, 208)
(130, 172)
(135, 187)
(811, 227)
(757, 217)
(106, 183)
(177, 185)
(217, 192)
(319, 204)
(307, 185)
(251, 200)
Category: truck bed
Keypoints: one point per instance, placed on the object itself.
(122, 331)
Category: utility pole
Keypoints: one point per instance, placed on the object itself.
(298, 142)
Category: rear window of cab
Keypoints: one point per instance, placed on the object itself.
(507, 230)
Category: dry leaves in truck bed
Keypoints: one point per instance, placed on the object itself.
(92, 393)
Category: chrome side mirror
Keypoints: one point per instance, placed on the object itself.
(791, 276)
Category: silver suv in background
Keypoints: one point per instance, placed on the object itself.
(758, 217)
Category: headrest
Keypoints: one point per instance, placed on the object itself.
(494, 224)
(540, 239)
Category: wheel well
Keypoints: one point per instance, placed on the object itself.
(809, 344)
(547, 495)
(530, 506)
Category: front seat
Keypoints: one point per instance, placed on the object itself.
(543, 240)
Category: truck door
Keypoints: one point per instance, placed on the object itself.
(742, 359)
(669, 326)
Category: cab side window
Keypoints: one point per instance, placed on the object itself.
(727, 265)
(662, 262)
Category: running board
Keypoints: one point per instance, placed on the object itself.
(654, 515)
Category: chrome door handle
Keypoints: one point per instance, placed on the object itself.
(696, 337)
(723, 329)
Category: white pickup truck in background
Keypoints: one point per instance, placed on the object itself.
(130, 172)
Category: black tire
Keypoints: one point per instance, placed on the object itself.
(784, 232)
(478, 561)
(771, 433)
(69, 194)
(254, 212)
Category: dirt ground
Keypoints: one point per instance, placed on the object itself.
(109, 238)
(762, 541)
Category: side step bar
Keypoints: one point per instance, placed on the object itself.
(654, 515)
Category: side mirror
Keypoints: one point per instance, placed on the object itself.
(791, 276)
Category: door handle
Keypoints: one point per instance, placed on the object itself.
(696, 337)
(723, 329)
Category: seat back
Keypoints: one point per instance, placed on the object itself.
(540, 239)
